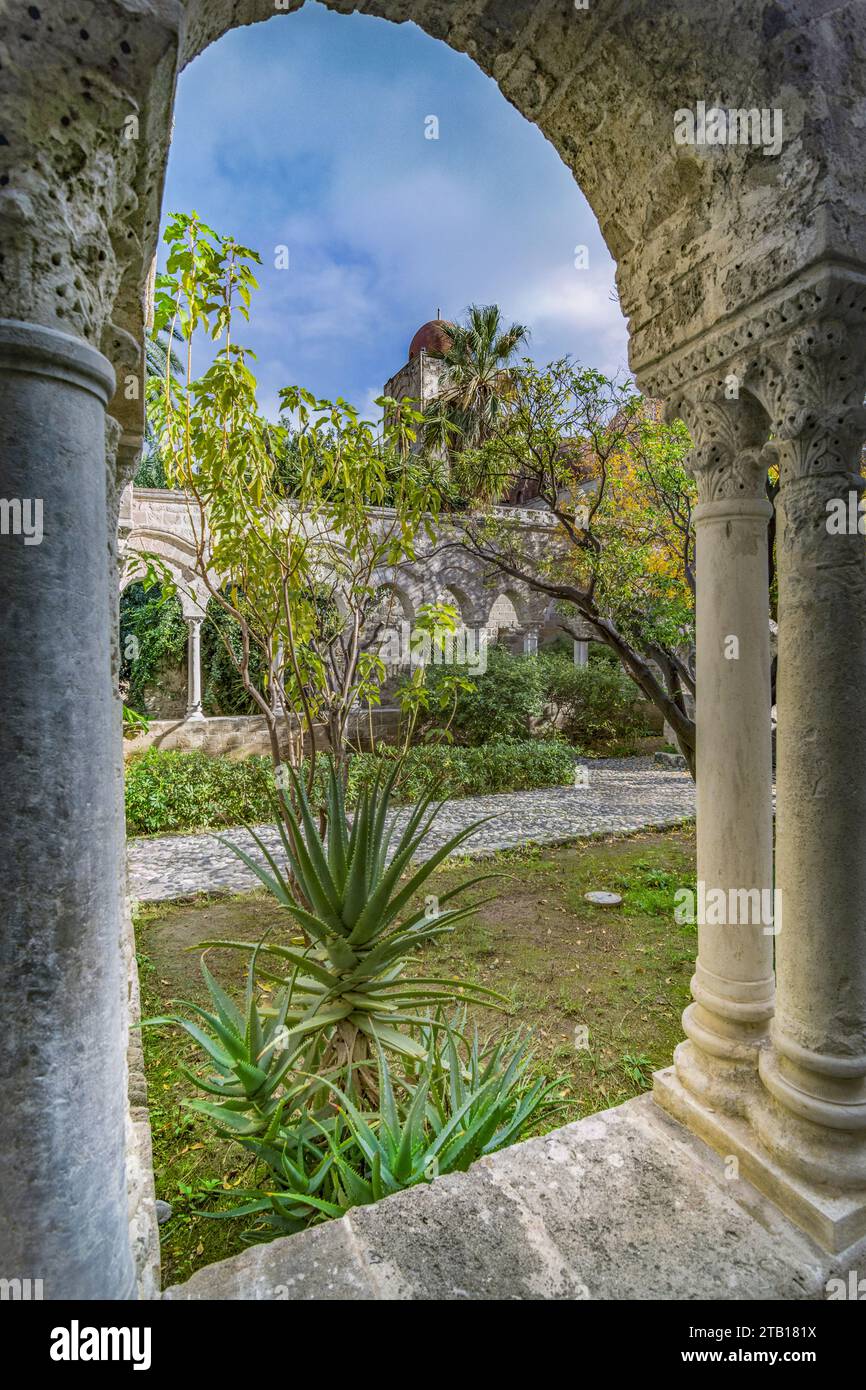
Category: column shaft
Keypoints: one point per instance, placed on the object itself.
(64, 1215)
(815, 1071)
(732, 987)
(193, 665)
(733, 982)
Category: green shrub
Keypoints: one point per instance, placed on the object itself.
(152, 641)
(173, 790)
(591, 704)
(501, 766)
(588, 705)
(224, 692)
(504, 702)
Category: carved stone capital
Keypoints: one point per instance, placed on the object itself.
(728, 435)
(86, 110)
(812, 385)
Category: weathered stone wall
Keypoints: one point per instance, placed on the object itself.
(159, 522)
(241, 736)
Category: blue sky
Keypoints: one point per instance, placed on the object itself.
(308, 131)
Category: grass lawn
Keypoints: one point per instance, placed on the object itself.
(564, 965)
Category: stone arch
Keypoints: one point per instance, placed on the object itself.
(166, 690)
(505, 613)
(736, 261)
(466, 583)
(586, 78)
(694, 237)
(399, 602)
(176, 554)
(455, 597)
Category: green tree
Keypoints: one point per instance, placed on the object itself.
(611, 477)
(223, 692)
(160, 357)
(501, 704)
(301, 577)
(476, 382)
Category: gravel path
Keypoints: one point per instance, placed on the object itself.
(618, 798)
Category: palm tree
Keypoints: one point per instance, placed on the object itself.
(476, 381)
(158, 351)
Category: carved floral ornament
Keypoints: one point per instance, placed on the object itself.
(812, 386)
(729, 435)
(798, 398)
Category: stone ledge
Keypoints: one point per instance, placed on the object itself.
(625, 1204)
(834, 1218)
(143, 1228)
(236, 736)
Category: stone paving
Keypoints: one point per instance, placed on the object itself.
(621, 796)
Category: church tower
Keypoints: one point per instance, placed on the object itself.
(422, 375)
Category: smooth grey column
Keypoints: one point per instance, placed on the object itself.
(63, 1194)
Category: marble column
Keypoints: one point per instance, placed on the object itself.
(193, 668)
(63, 1197)
(581, 653)
(815, 1072)
(732, 989)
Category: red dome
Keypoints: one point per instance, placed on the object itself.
(433, 338)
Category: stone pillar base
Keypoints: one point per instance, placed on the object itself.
(820, 1139)
(836, 1219)
(719, 1079)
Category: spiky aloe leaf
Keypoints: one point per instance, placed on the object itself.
(383, 905)
(306, 962)
(226, 1007)
(311, 840)
(273, 884)
(222, 1059)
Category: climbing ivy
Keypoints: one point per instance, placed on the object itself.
(152, 640)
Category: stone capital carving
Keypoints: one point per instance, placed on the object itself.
(801, 352)
(812, 385)
(729, 436)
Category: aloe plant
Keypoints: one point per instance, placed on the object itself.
(350, 893)
(260, 1076)
(439, 1116)
(456, 1114)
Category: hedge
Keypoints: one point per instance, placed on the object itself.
(170, 790)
